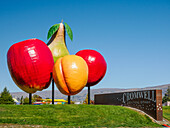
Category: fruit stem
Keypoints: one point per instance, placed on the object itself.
(62, 21)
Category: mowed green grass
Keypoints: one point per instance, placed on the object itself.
(166, 112)
(73, 115)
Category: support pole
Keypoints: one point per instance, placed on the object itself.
(30, 98)
(69, 99)
(52, 91)
(88, 94)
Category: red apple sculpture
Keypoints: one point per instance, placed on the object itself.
(30, 64)
(96, 64)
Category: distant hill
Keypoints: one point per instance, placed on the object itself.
(82, 95)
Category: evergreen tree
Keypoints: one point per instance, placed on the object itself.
(6, 97)
(21, 100)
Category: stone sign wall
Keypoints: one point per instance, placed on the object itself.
(149, 101)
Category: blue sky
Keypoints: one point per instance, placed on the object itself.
(132, 35)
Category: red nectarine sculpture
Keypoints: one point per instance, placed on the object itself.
(70, 74)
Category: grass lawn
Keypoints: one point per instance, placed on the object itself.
(166, 112)
(73, 115)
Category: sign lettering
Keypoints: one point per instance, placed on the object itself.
(149, 101)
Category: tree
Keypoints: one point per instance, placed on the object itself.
(26, 100)
(21, 100)
(86, 100)
(6, 97)
(167, 96)
(36, 98)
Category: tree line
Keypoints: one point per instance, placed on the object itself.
(6, 98)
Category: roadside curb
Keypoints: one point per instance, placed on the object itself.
(165, 121)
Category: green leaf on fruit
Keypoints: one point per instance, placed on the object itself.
(69, 31)
(52, 30)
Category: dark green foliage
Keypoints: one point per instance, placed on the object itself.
(21, 100)
(26, 100)
(5, 97)
(74, 115)
(166, 97)
(36, 98)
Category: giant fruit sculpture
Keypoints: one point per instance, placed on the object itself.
(30, 63)
(70, 72)
(96, 64)
(57, 43)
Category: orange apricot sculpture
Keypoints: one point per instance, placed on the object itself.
(70, 74)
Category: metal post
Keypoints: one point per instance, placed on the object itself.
(52, 91)
(88, 94)
(30, 98)
(68, 99)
